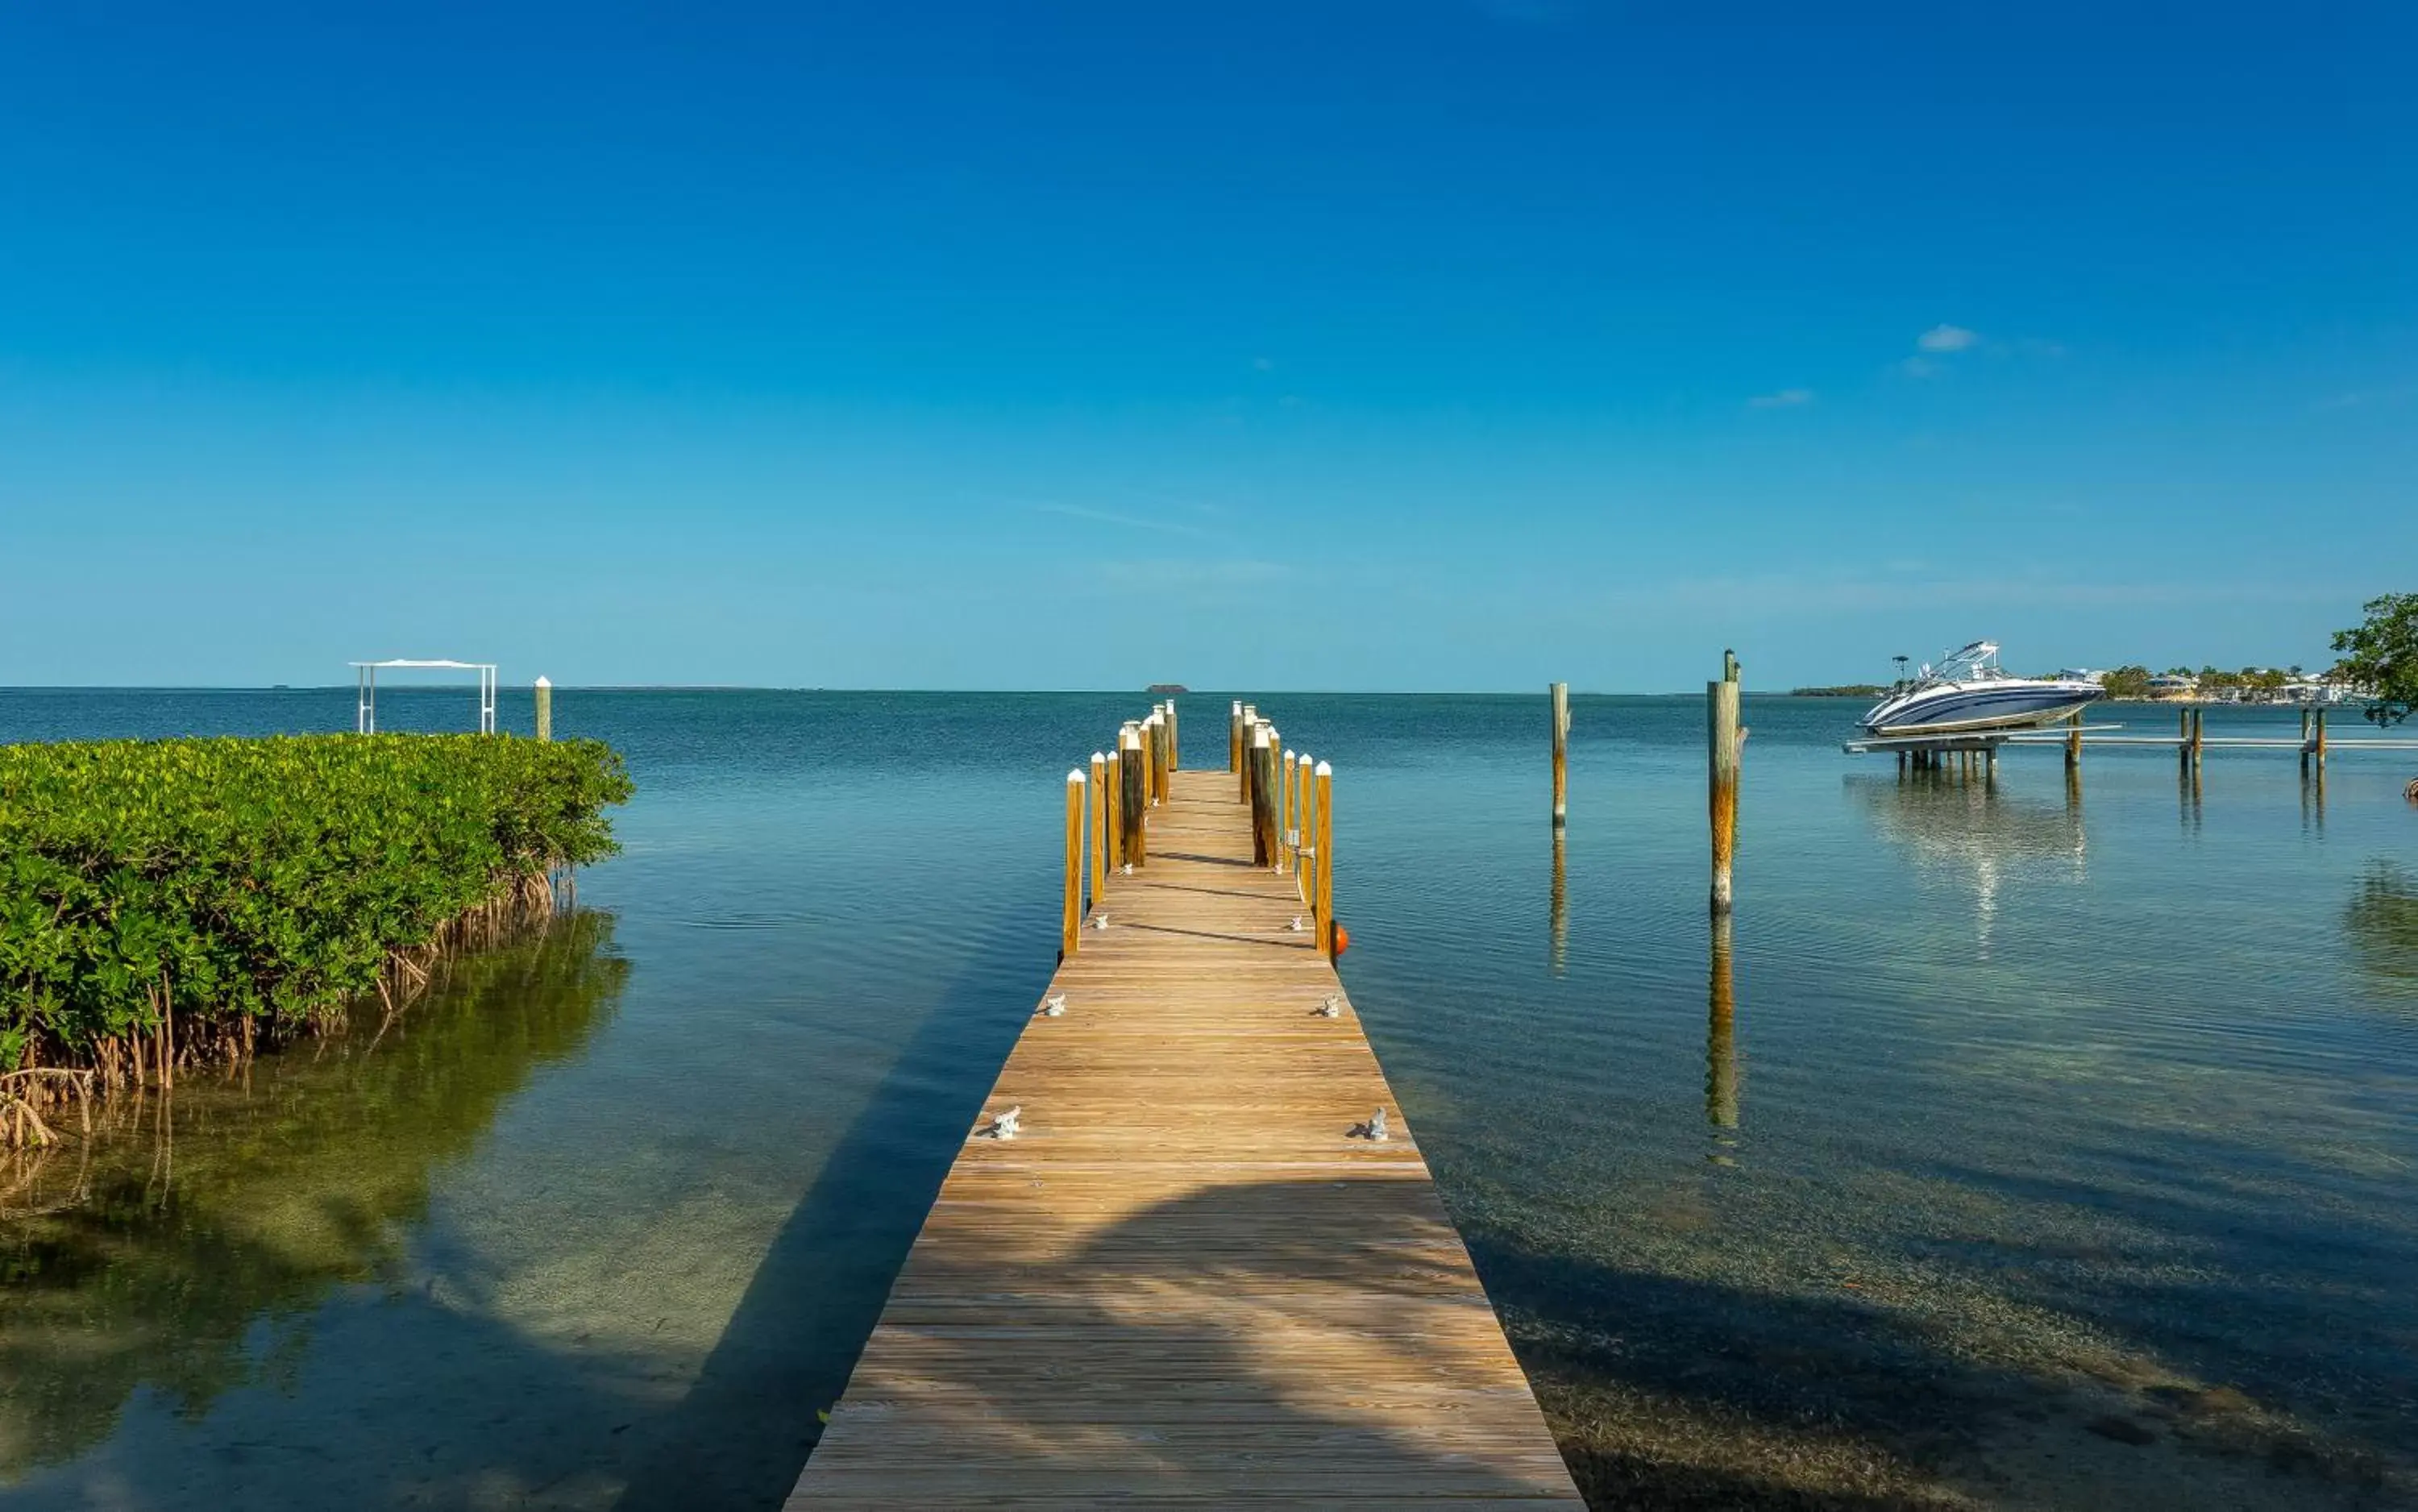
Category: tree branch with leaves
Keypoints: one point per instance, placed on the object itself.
(2380, 657)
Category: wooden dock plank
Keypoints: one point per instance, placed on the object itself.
(1186, 1282)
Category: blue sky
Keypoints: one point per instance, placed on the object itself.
(1453, 345)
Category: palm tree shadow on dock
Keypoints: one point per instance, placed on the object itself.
(1217, 1347)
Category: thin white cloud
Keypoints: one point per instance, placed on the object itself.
(1133, 522)
(1944, 337)
(1920, 367)
(1228, 572)
(1785, 399)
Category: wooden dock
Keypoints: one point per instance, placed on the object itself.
(1189, 1277)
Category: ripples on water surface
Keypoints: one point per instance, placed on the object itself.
(2026, 1147)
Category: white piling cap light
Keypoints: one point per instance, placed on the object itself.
(1075, 779)
(1325, 770)
(1100, 757)
(542, 683)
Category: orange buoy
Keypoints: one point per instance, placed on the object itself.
(1342, 940)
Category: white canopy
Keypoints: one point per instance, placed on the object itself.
(365, 688)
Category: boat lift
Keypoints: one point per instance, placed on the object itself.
(365, 690)
(2188, 742)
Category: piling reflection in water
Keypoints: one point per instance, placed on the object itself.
(137, 1262)
(1721, 1050)
(1978, 837)
(2381, 924)
(1559, 922)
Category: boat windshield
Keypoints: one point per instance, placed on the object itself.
(1976, 663)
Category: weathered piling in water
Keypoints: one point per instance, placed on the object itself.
(1174, 745)
(2304, 742)
(2199, 731)
(1132, 846)
(1234, 737)
(1561, 753)
(1070, 922)
(544, 709)
(1153, 734)
(1264, 797)
(1722, 774)
(1324, 909)
(2321, 740)
(1099, 825)
(2074, 741)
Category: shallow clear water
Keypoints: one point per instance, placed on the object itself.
(2001, 1115)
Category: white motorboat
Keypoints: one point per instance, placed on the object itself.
(1968, 693)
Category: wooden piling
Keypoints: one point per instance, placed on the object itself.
(1284, 811)
(1323, 911)
(1234, 738)
(1113, 797)
(1099, 825)
(1154, 731)
(1304, 855)
(2073, 740)
(1242, 765)
(1264, 797)
(1174, 746)
(2307, 744)
(544, 709)
(2199, 731)
(1561, 692)
(1133, 845)
(1721, 776)
(2321, 740)
(1070, 922)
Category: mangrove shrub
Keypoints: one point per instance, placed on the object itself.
(234, 885)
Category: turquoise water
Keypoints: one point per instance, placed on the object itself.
(2055, 1143)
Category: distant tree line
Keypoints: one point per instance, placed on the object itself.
(2133, 681)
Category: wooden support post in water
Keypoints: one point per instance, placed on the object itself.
(1722, 774)
(2304, 742)
(1234, 738)
(2074, 741)
(544, 709)
(1070, 922)
(1133, 845)
(1323, 906)
(1263, 798)
(2199, 730)
(1099, 826)
(2322, 740)
(1561, 753)
(1174, 746)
